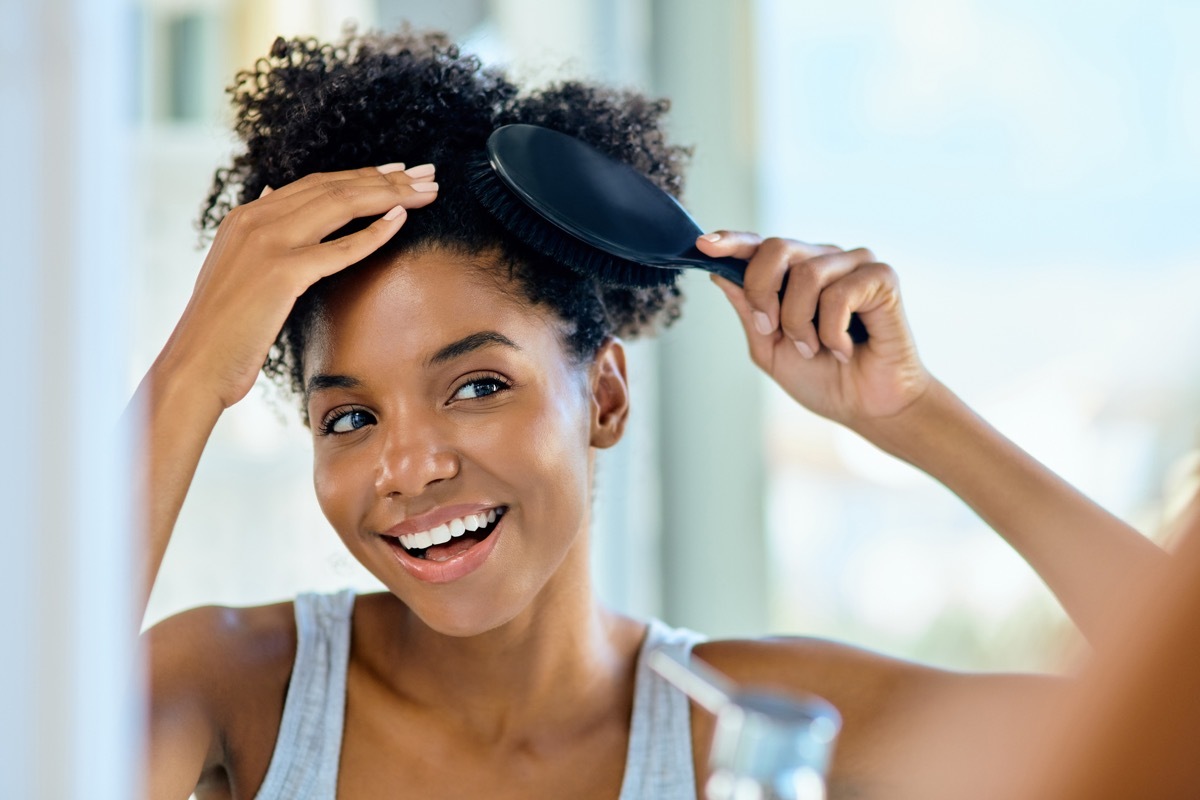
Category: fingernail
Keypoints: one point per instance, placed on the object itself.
(266, 191)
(804, 349)
(421, 171)
(423, 187)
(395, 212)
(711, 237)
(393, 167)
(763, 323)
(840, 356)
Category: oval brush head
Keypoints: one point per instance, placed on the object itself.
(537, 232)
(598, 216)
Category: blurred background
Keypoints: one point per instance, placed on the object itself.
(1031, 169)
(1032, 172)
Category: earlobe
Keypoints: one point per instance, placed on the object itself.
(610, 394)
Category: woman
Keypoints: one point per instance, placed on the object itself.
(457, 386)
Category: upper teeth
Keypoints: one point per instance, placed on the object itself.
(448, 530)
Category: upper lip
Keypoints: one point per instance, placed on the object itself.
(438, 516)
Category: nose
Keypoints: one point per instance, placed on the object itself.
(413, 457)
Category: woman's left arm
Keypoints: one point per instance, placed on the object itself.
(1089, 558)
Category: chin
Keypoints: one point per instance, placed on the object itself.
(463, 615)
(483, 587)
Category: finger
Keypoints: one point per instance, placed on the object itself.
(321, 260)
(864, 291)
(744, 244)
(763, 280)
(347, 183)
(766, 273)
(359, 194)
(332, 206)
(317, 178)
(805, 282)
(760, 344)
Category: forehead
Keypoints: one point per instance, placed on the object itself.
(409, 306)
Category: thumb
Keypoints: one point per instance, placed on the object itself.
(738, 244)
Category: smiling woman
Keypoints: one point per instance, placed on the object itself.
(422, 422)
(458, 386)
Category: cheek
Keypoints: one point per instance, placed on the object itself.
(559, 446)
(541, 454)
(337, 486)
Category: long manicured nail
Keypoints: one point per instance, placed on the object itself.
(398, 211)
(423, 187)
(421, 171)
(840, 356)
(804, 349)
(266, 191)
(711, 237)
(393, 167)
(763, 323)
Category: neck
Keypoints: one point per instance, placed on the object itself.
(558, 663)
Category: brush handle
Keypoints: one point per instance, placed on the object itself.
(734, 269)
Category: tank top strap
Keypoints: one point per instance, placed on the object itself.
(304, 765)
(659, 764)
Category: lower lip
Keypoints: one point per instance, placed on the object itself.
(451, 569)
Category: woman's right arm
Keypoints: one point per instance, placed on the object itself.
(265, 255)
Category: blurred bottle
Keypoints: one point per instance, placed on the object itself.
(766, 746)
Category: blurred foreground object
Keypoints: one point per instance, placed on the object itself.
(767, 746)
(69, 692)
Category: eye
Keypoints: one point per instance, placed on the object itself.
(480, 387)
(346, 421)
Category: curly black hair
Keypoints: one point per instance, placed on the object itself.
(414, 97)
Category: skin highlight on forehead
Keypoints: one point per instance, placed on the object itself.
(437, 289)
(456, 349)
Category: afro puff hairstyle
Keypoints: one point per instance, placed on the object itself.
(414, 97)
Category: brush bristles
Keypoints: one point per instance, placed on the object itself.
(551, 241)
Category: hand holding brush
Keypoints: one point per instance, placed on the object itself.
(812, 356)
(597, 215)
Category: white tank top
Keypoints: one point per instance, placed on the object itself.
(304, 766)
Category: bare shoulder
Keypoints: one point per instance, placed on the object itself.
(211, 646)
(217, 678)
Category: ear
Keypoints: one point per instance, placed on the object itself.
(609, 394)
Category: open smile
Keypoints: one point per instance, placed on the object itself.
(451, 550)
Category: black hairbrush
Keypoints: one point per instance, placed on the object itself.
(597, 215)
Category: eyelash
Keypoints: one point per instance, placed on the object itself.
(333, 417)
(485, 378)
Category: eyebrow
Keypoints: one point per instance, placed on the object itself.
(467, 344)
(319, 382)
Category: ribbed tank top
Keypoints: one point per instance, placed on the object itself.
(304, 765)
